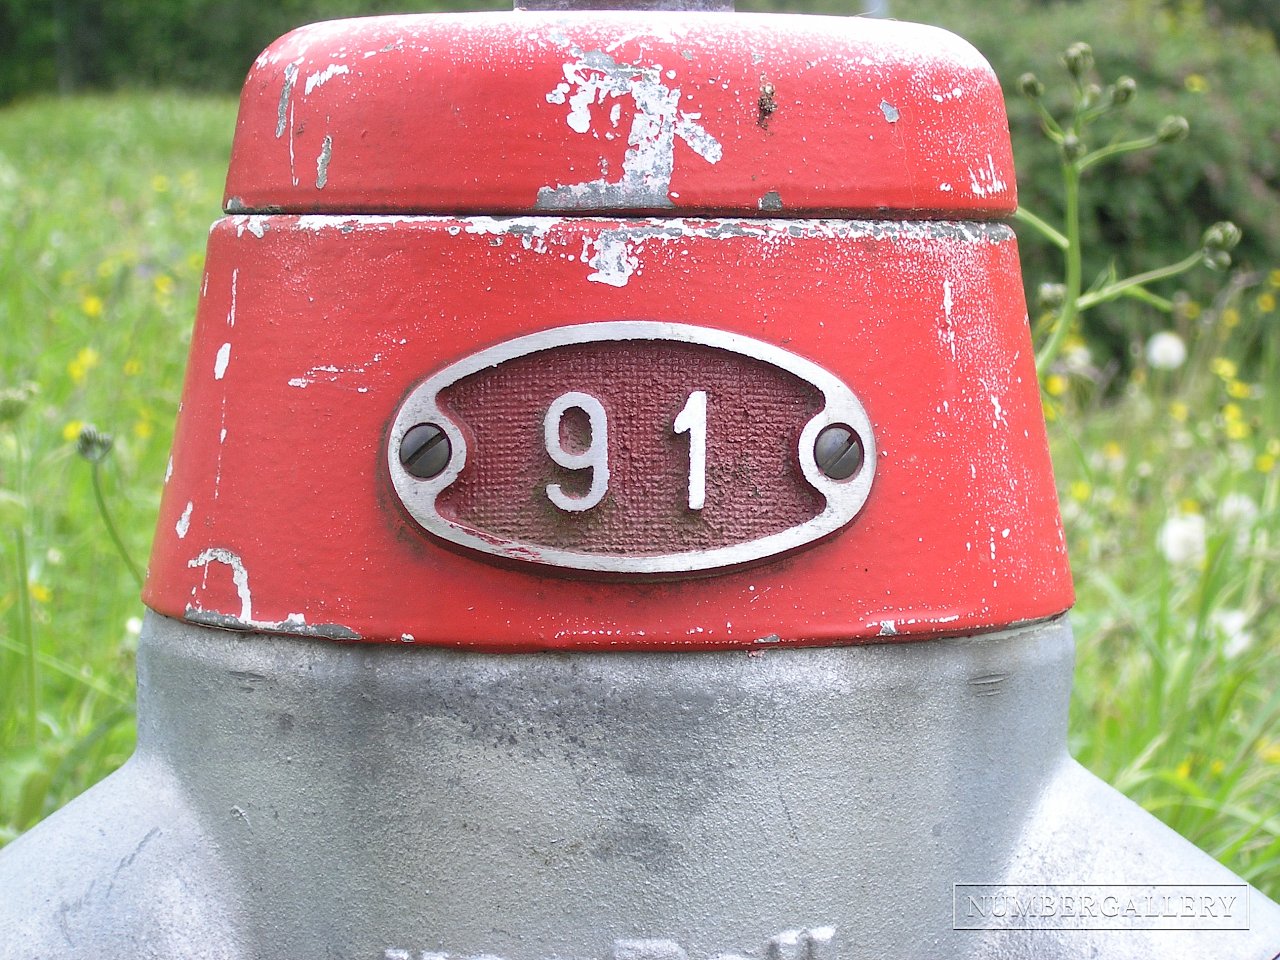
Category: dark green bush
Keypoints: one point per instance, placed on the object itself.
(205, 45)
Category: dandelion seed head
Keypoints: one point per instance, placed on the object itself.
(1182, 539)
(1166, 351)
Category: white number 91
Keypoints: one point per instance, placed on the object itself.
(692, 420)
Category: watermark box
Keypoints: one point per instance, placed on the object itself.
(1100, 906)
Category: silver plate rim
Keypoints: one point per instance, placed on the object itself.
(844, 498)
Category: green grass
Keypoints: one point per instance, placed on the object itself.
(1177, 695)
(104, 204)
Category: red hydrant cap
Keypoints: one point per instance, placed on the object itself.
(692, 113)
(473, 374)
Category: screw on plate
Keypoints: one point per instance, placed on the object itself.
(838, 452)
(425, 451)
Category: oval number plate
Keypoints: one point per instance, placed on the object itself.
(632, 447)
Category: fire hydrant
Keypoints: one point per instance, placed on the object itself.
(610, 518)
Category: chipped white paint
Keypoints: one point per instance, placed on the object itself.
(184, 522)
(997, 414)
(239, 576)
(592, 79)
(892, 628)
(532, 231)
(663, 29)
(767, 229)
(220, 362)
(284, 113)
(168, 470)
(222, 437)
(231, 313)
(322, 162)
(254, 223)
(321, 77)
(319, 222)
(329, 373)
(985, 181)
(948, 333)
(613, 262)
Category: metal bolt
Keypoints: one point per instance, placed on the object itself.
(838, 452)
(425, 451)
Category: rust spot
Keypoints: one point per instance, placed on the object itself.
(767, 103)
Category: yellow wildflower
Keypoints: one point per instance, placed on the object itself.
(1231, 411)
(1184, 770)
(91, 305)
(39, 592)
(1217, 767)
(72, 430)
(1274, 278)
(1236, 430)
(1238, 389)
(1270, 752)
(1266, 302)
(1223, 367)
(160, 183)
(1191, 310)
(132, 367)
(1179, 411)
(84, 361)
(163, 284)
(1112, 450)
(1188, 505)
(1055, 384)
(1080, 490)
(1195, 83)
(1265, 462)
(142, 429)
(1231, 318)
